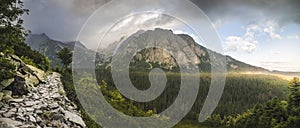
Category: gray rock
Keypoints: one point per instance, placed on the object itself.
(6, 83)
(35, 97)
(29, 103)
(38, 112)
(20, 118)
(53, 105)
(8, 114)
(9, 122)
(1, 104)
(28, 126)
(18, 87)
(1, 95)
(7, 92)
(55, 96)
(29, 109)
(13, 110)
(57, 117)
(15, 104)
(16, 100)
(74, 118)
(32, 119)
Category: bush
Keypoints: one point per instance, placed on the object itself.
(7, 69)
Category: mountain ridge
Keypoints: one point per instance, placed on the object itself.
(41, 43)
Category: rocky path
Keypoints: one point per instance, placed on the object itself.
(45, 106)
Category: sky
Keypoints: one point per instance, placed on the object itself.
(264, 33)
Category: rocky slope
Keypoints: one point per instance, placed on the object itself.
(32, 98)
(44, 106)
(148, 57)
(25, 77)
(153, 57)
(49, 47)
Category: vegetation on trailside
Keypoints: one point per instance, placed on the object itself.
(12, 39)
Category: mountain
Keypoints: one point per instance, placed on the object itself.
(49, 47)
(149, 57)
(157, 57)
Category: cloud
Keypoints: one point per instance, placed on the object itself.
(270, 28)
(246, 43)
(280, 65)
(293, 37)
(63, 19)
(276, 52)
(133, 23)
(282, 11)
(196, 38)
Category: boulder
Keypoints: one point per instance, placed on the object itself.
(39, 74)
(74, 118)
(1, 95)
(7, 123)
(5, 83)
(18, 87)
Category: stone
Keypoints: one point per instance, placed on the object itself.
(29, 103)
(20, 110)
(31, 80)
(57, 116)
(29, 109)
(74, 118)
(20, 118)
(16, 100)
(38, 119)
(32, 119)
(36, 107)
(28, 126)
(13, 110)
(39, 74)
(16, 58)
(43, 90)
(6, 83)
(53, 105)
(55, 96)
(15, 104)
(1, 112)
(10, 123)
(35, 97)
(18, 87)
(1, 104)
(1, 95)
(39, 112)
(7, 92)
(6, 98)
(9, 114)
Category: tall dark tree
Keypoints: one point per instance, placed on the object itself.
(66, 57)
(294, 97)
(12, 33)
(11, 30)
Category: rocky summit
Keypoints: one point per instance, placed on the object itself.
(45, 105)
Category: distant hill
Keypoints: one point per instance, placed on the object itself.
(49, 47)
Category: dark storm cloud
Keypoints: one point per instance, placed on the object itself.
(59, 19)
(282, 11)
(63, 19)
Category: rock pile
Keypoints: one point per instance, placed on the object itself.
(26, 77)
(45, 105)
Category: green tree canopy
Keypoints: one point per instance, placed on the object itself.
(66, 57)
